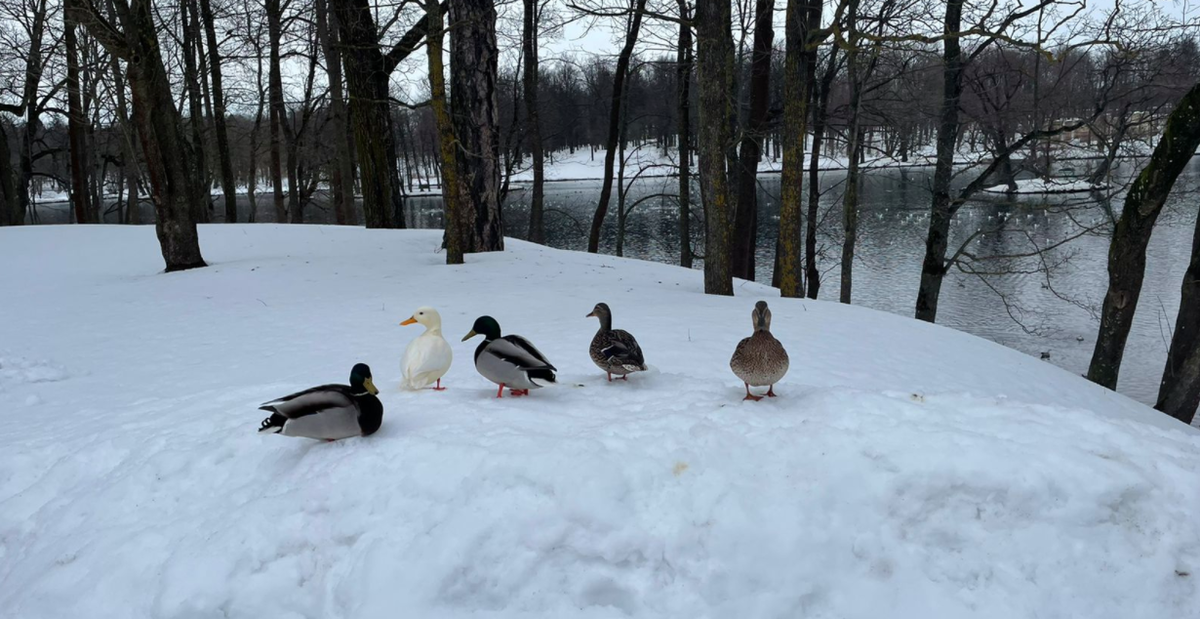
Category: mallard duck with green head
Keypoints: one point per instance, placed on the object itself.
(614, 350)
(509, 360)
(760, 360)
(328, 412)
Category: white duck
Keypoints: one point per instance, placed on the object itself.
(428, 357)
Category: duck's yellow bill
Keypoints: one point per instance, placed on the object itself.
(410, 321)
(370, 385)
(469, 335)
(590, 315)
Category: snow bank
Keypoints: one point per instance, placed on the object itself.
(1040, 185)
(906, 470)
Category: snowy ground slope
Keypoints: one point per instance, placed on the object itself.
(906, 470)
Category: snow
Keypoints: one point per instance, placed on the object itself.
(905, 471)
(1043, 186)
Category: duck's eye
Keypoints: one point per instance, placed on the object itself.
(420, 313)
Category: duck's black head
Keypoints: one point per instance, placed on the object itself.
(360, 379)
(485, 326)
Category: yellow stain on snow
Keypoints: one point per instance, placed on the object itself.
(679, 468)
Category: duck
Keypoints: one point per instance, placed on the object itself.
(328, 412)
(428, 357)
(760, 359)
(509, 361)
(614, 350)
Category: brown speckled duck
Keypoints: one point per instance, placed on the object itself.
(613, 350)
(760, 359)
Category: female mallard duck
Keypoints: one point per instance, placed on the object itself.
(613, 350)
(509, 361)
(328, 412)
(427, 358)
(760, 359)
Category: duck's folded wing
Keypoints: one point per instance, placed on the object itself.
(624, 348)
(518, 351)
(425, 356)
(310, 401)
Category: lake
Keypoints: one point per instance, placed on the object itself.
(1045, 308)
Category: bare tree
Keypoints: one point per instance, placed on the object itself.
(474, 110)
(224, 157)
(683, 97)
(133, 38)
(75, 128)
(714, 72)
(533, 130)
(1127, 257)
(745, 218)
(452, 189)
(614, 121)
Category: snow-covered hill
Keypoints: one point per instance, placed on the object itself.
(906, 470)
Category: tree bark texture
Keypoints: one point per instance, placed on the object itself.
(224, 158)
(1179, 392)
(367, 73)
(714, 72)
(533, 131)
(75, 129)
(620, 74)
(683, 73)
(801, 18)
(1127, 251)
(933, 267)
(159, 124)
(745, 219)
(475, 114)
(452, 190)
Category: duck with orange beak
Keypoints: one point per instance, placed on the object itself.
(428, 357)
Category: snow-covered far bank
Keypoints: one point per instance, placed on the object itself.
(1045, 186)
(906, 470)
(647, 161)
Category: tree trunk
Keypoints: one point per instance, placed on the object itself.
(799, 23)
(8, 198)
(1179, 392)
(714, 72)
(275, 107)
(452, 190)
(129, 156)
(367, 71)
(745, 220)
(32, 111)
(191, 43)
(533, 131)
(75, 129)
(224, 157)
(684, 79)
(1127, 252)
(933, 268)
(159, 125)
(820, 97)
(474, 110)
(855, 79)
(342, 176)
(614, 120)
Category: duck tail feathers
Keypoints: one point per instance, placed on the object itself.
(541, 376)
(272, 424)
